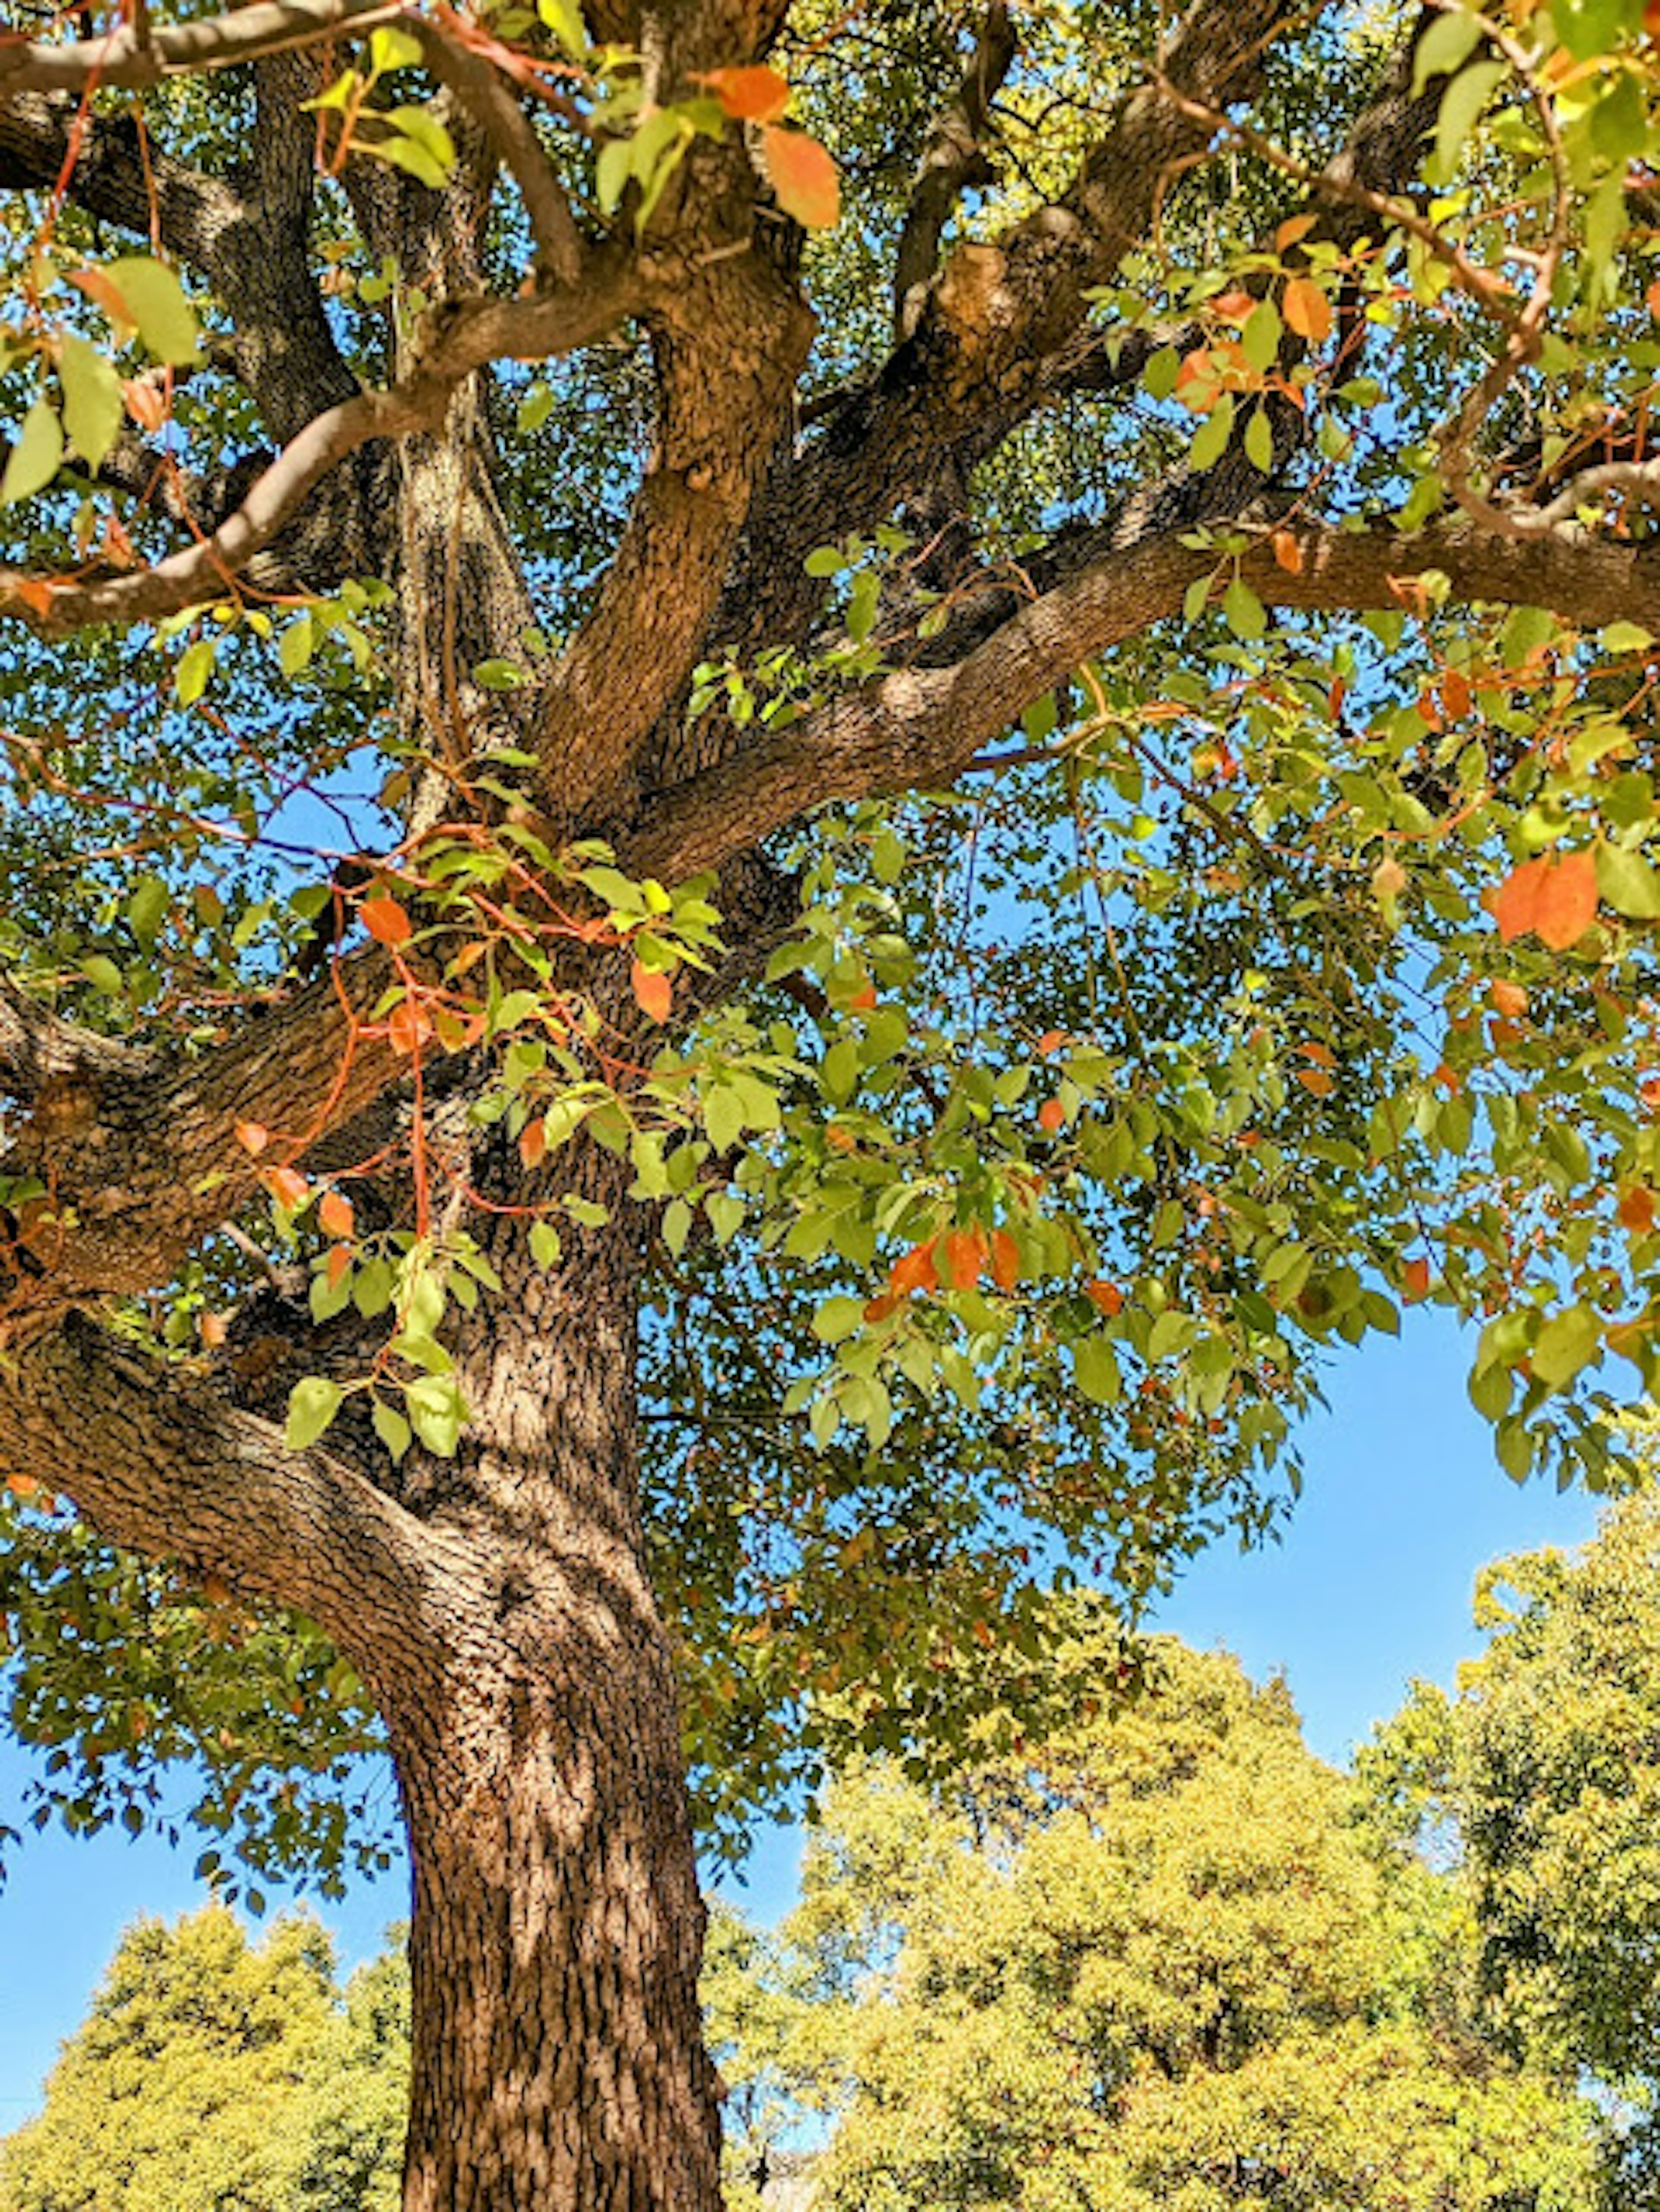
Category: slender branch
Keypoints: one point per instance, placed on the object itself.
(952, 160)
(465, 335)
(132, 54)
(513, 139)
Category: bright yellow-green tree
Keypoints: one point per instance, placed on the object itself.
(1543, 1768)
(215, 2075)
(1159, 1964)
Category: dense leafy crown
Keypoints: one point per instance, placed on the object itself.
(1061, 844)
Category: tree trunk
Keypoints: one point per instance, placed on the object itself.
(559, 2056)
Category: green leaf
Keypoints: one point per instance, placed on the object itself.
(838, 1318)
(147, 909)
(157, 308)
(1260, 338)
(1259, 440)
(313, 1404)
(33, 459)
(1629, 885)
(1215, 435)
(102, 974)
(611, 172)
(535, 407)
(544, 1245)
(391, 1428)
(93, 404)
(392, 48)
(190, 679)
(1095, 1365)
(564, 19)
(437, 1412)
(1243, 611)
(294, 650)
(1460, 107)
(1565, 1345)
(1589, 28)
(1445, 46)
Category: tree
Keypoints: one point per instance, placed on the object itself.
(210, 2076)
(1541, 1768)
(528, 925)
(1159, 1964)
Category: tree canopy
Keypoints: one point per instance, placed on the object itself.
(1160, 1963)
(785, 790)
(1540, 1769)
(211, 2075)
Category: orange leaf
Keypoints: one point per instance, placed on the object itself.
(965, 1256)
(751, 95)
(1051, 1041)
(1106, 1298)
(145, 403)
(803, 177)
(1051, 1115)
(1510, 999)
(1512, 905)
(288, 1186)
(1637, 1208)
(252, 1137)
(862, 1001)
(913, 1271)
(533, 1142)
(386, 921)
(212, 1328)
(879, 1307)
(654, 991)
(35, 592)
(1566, 904)
(23, 1486)
(1235, 306)
(1416, 1279)
(334, 1214)
(1455, 695)
(1287, 552)
(1316, 1080)
(408, 1028)
(1005, 1260)
(1306, 309)
(1293, 227)
(339, 1265)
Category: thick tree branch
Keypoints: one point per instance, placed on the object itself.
(39, 1049)
(140, 1155)
(920, 729)
(114, 179)
(463, 336)
(138, 54)
(730, 335)
(976, 363)
(159, 1463)
(952, 160)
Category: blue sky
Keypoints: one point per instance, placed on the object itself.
(1371, 1586)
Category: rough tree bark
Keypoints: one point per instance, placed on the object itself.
(499, 1604)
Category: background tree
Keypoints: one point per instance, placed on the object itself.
(211, 2075)
(492, 553)
(1541, 1768)
(1159, 1964)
